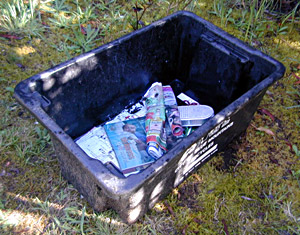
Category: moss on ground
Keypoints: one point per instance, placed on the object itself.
(257, 191)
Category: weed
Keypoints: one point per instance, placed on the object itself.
(86, 41)
(61, 13)
(287, 208)
(223, 12)
(274, 197)
(140, 7)
(20, 18)
(59, 6)
(251, 20)
(292, 107)
(63, 46)
(62, 20)
(114, 14)
(297, 152)
(85, 15)
(136, 14)
(8, 138)
(296, 174)
(254, 23)
(177, 5)
(10, 89)
(82, 220)
(290, 17)
(43, 136)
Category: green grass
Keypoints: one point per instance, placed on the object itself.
(257, 193)
(18, 17)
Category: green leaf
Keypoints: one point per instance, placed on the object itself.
(283, 28)
(82, 220)
(297, 152)
(10, 89)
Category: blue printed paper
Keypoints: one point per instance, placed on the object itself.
(128, 140)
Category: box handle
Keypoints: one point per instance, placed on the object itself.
(42, 99)
(227, 48)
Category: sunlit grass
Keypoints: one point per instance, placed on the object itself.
(25, 50)
(19, 17)
(289, 43)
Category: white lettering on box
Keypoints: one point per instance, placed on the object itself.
(199, 152)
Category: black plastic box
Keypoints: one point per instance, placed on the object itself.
(92, 88)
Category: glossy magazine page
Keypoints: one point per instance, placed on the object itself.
(128, 140)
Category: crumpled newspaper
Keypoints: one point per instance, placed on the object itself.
(95, 142)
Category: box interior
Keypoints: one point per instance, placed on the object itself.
(93, 90)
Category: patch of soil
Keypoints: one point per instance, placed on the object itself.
(187, 196)
(285, 6)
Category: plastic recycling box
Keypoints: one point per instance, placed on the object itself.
(72, 97)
